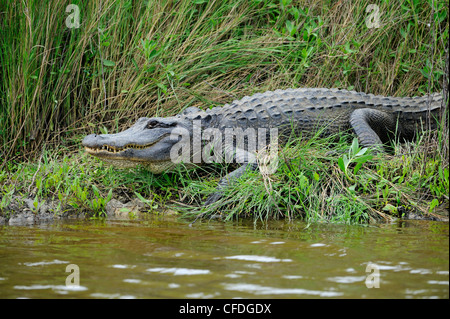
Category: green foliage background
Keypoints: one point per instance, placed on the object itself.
(133, 58)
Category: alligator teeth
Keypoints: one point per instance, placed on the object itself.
(113, 149)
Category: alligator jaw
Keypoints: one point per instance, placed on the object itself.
(123, 159)
(114, 156)
(106, 150)
(127, 154)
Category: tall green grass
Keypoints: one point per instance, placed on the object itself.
(327, 179)
(135, 58)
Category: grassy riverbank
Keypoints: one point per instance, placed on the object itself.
(130, 59)
(310, 183)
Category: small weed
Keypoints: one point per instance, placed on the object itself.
(357, 155)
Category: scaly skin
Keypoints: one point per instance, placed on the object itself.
(374, 119)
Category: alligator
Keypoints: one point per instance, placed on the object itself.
(162, 143)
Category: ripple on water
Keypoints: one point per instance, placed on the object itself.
(263, 259)
(111, 296)
(347, 279)
(317, 245)
(179, 271)
(132, 281)
(45, 263)
(262, 290)
(121, 266)
(61, 289)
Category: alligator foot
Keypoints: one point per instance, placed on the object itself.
(196, 218)
(213, 198)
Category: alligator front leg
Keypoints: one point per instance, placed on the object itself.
(239, 156)
(372, 127)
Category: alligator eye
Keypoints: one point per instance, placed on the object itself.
(154, 124)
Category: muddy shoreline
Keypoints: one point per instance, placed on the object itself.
(22, 212)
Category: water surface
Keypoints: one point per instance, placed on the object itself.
(165, 258)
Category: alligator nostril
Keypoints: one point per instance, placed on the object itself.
(91, 140)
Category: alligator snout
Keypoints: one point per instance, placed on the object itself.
(91, 140)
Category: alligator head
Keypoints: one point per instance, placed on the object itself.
(148, 142)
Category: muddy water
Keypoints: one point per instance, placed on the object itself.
(161, 258)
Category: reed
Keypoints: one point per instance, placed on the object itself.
(129, 59)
